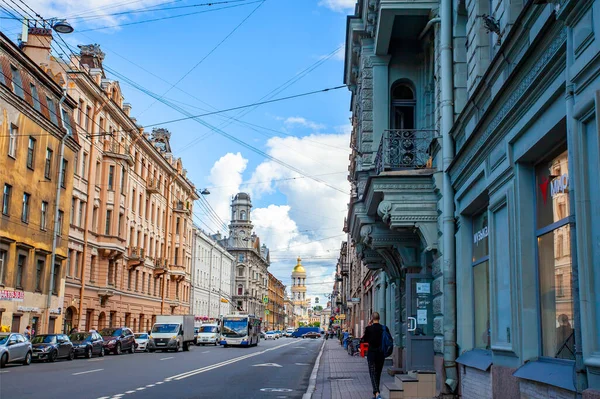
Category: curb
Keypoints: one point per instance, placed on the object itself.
(312, 385)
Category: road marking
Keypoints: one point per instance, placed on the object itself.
(130, 392)
(222, 364)
(86, 372)
(302, 364)
(140, 389)
(150, 385)
(267, 365)
(95, 360)
(4, 371)
(104, 397)
(167, 358)
(205, 352)
(159, 383)
(312, 384)
(276, 390)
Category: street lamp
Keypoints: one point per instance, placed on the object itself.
(61, 26)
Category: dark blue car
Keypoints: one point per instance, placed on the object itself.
(303, 330)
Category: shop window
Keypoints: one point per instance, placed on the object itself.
(3, 265)
(481, 281)
(554, 226)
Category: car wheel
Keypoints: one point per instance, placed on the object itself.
(53, 356)
(27, 360)
(3, 360)
(151, 350)
(186, 346)
(132, 349)
(88, 353)
(71, 355)
(118, 349)
(102, 352)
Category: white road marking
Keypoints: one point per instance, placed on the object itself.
(205, 352)
(267, 365)
(104, 397)
(4, 371)
(302, 364)
(276, 390)
(95, 360)
(140, 389)
(130, 392)
(150, 385)
(312, 381)
(159, 383)
(167, 358)
(86, 372)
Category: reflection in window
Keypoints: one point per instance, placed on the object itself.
(481, 281)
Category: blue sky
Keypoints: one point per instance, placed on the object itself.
(294, 216)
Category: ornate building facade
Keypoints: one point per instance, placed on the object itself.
(129, 247)
(252, 259)
(275, 319)
(38, 146)
(301, 305)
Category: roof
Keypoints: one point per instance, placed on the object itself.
(299, 268)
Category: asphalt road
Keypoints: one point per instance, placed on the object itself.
(274, 369)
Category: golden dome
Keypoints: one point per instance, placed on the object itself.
(299, 268)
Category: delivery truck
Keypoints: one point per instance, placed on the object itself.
(171, 333)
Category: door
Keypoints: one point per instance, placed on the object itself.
(64, 345)
(419, 323)
(16, 323)
(51, 325)
(22, 346)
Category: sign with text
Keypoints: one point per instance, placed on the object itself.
(15, 296)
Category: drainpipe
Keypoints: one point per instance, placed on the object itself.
(56, 232)
(430, 23)
(449, 255)
(580, 369)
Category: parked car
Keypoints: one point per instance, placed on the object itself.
(118, 340)
(263, 335)
(271, 335)
(14, 348)
(288, 332)
(208, 334)
(312, 334)
(303, 330)
(279, 333)
(196, 332)
(87, 344)
(51, 347)
(141, 340)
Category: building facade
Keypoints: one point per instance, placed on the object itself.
(130, 229)
(290, 316)
(252, 259)
(275, 319)
(212, 277)
(38, 144)
(475, 192)
(301, 304)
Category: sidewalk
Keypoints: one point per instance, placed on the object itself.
(342, 376)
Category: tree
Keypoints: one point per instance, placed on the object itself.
(318, 308)
(315, 324)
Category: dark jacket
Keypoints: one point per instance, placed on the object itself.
(372, 336)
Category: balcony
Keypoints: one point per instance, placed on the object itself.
(160, 266)
(404, 149)
(177, 272)
(153, 186)
(113, 149)
(181, 207)
(136, 257)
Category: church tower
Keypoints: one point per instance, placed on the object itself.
(299, 292)
(240, 228)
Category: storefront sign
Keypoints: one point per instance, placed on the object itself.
(423, 288)
(480, 235)
(56, 311)
(558, 185)
(421, 316)
(355, 300)
(28, 309)
(15, 296)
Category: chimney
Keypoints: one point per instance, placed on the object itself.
(91, 55)
(127, 108)
(36, 44)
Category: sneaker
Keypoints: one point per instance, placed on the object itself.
(378, 396)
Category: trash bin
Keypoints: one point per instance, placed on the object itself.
(364, 348)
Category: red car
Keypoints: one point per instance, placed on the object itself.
(118, 340)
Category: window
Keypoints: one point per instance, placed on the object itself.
(66, 120)
(92, 268)
(108, 219)
(481, 281)
(554, 227)
(77, 263)
(63, 177)
(111, 176)
(52, 110)
(44, 216)
(241, 258)
(3, 265)
(84, 165)
(76, 162)
(243, 215)
(177, 226)
(72, 214)
(6, 199)
(81, 214)
(48, 165)
(403, 107)
(241, 272)
(13, 134)
(25, 208)
(30, 152)
(88, 113)
(61, 216)
(120, 226)
(55, 278)
(240, 289)
(39, 271)
(21, 262)
(17, 83)
(122, 184)
(36, 97)
(95, 219)
(98, 172)
(133, 200)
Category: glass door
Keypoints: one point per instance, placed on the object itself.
(419, 322)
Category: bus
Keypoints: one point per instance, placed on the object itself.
(240, 330)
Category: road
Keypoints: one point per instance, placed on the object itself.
(274, 369)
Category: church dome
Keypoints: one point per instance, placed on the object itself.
(299, 268)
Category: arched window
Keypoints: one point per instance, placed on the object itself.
(403, 107)
(243, 215)
(240, 290)
(241, 272)
(233, 215)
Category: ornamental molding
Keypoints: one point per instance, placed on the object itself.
(523, 87)
(412, 218)
(400, 186)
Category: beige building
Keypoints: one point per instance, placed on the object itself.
(129, 255)
(38, 144)
(301, 304)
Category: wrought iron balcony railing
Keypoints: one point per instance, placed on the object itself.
(403, 149)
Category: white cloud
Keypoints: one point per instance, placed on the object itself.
(90, 12)
(298, 120)
(338, 5)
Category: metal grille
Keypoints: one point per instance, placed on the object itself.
(404, 149)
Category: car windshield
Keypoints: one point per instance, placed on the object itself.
(80, 337)
(235, 327)
(111, 332)
(270, 332)
(44, 339)
(141, 336)
(3, 339)
(208, 329)
(165, 328)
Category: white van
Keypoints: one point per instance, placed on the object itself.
(288, 332)
(208, 334)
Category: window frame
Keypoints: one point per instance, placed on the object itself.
(17, 82)
(3, 265)
(31, 152)
(25, 207)
(13, 138)
(477, 262)
(63, 178)
(44, 216)
(35, 95)
(48, 164)
(52, 110)
(6, 197)
(66, 121)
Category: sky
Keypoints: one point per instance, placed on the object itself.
(225, 55)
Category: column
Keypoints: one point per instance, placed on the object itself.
(381, 97)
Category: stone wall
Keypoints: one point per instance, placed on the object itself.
(475, 384)
(534, 390)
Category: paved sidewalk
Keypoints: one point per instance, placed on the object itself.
(342, 376)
